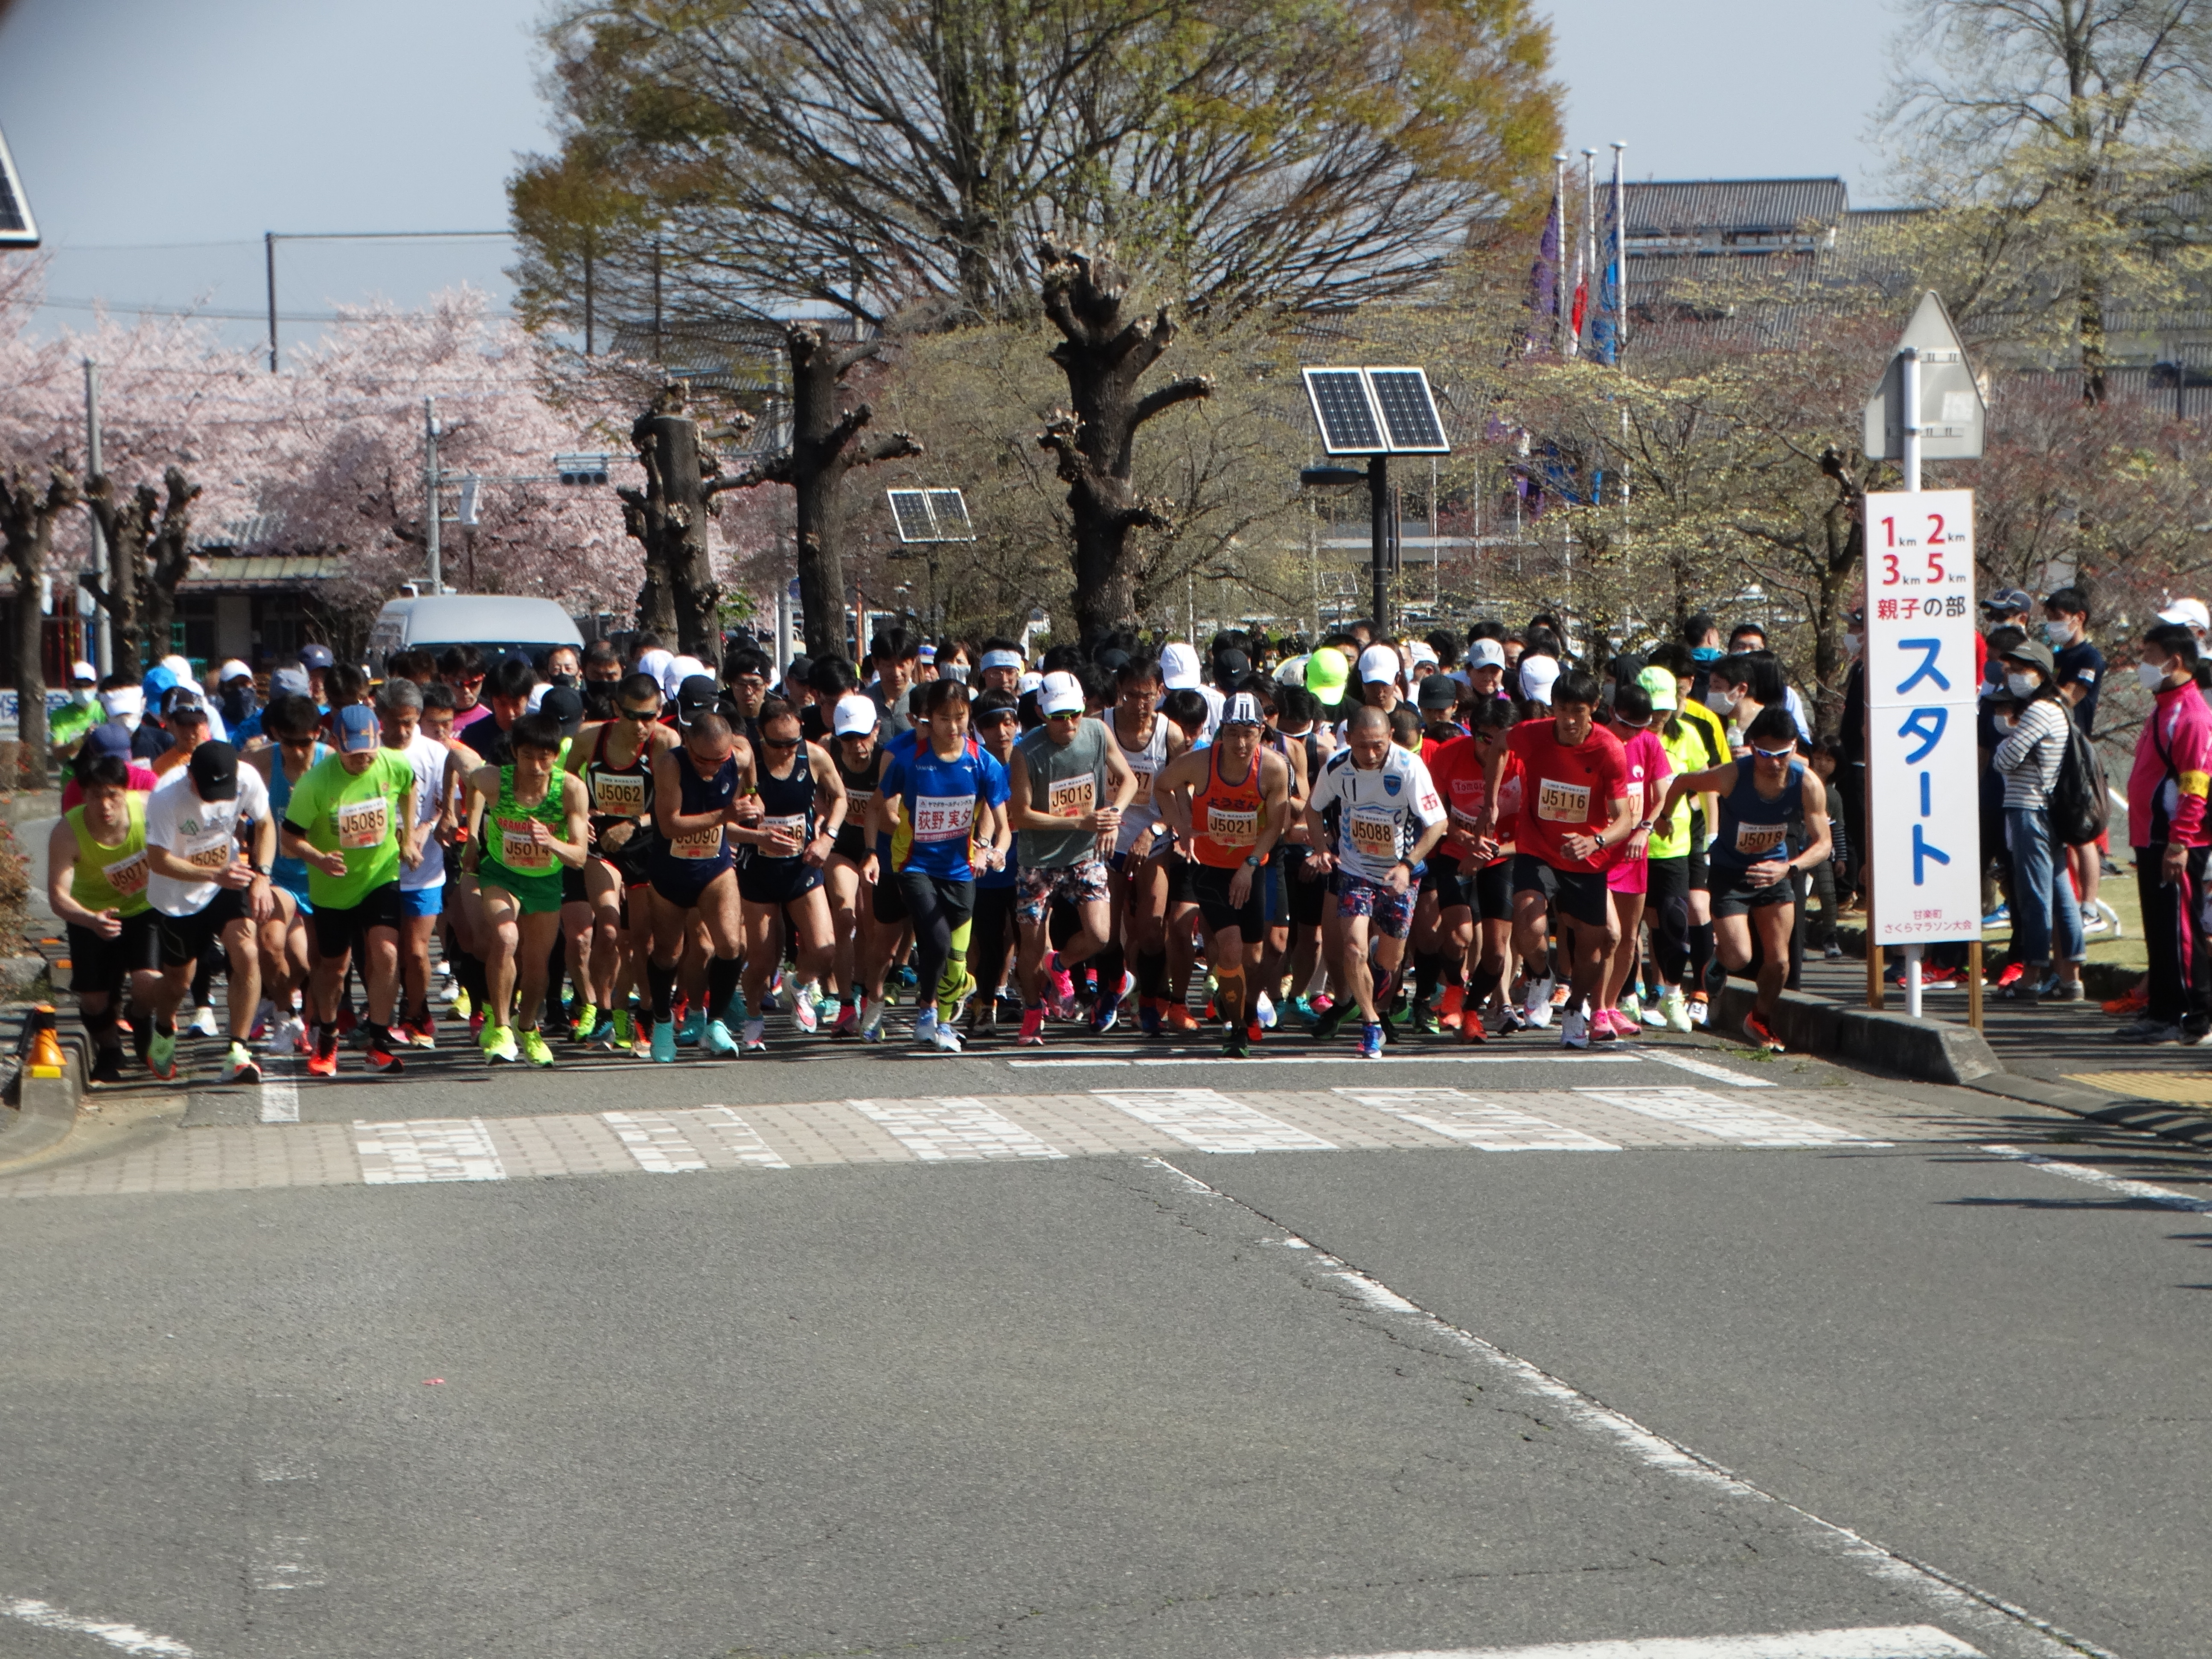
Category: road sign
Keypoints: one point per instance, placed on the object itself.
(1952, 415)
(1921, 689)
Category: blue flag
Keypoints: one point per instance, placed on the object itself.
(1544, 287)
(1605, 331)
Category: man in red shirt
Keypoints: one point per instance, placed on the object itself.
(1472, 876)
(1576, 805)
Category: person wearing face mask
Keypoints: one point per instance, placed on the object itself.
(2166, 789)
(2079, 673)
(2027, 760)
(1850, 770)
(68, 725)
(1701, 637)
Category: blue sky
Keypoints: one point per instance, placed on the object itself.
(159, 141)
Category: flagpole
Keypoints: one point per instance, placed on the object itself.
(1589, 232)
(1560, 229)
(1620, 258)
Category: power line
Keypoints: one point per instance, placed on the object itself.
(138, 309)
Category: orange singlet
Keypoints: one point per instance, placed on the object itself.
(1224, 816)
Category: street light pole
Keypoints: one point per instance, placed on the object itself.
(1378, 507)
(93, 468)
(430, 488)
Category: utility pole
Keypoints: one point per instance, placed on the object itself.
(430, 490)
(269, 254)
(93, 468)
(1378, 551)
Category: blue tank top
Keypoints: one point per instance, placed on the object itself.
(788, 801)
(291, 874)
(1753, 828)
(704, 852)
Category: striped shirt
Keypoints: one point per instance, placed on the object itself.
(2029, 757)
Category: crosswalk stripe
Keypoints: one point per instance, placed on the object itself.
(1727, 1119)
(1483, 1124)
(1705, 1068)
(1871, 1642)
(941, 1127)
(1208, 1122)
(431, 1149)
(657, 1145)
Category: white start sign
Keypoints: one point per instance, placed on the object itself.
(1920, 685)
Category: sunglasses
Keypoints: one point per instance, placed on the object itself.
(779, 743)
(1774, 754)
(640, 714)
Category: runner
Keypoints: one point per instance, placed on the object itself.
(943, 806)
(1229, 805)
(514, 812)
(1148, 740)
(803, 807)
(1627, 877)
(206, 889)
(1575, 806)
(615, 759)
(1389, 817)
(351, 820)
(288, 950)
(992, 943)
(1755, 864)
(698, 790)
(1474, 872)
(860, 762)
(422, 883)
(1068, 786)
(97, 880)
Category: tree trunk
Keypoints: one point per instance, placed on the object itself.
(1104, 357)
(668, 518)
(168, 558)
(27, 523)
(124, 526)
(825, 445)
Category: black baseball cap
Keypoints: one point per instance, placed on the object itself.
(566, 706)
(214, 767)
(1438, 691)
(317, 656)
(697, 696)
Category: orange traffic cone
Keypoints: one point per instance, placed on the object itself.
(45, 1057)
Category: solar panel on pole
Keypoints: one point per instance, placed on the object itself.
(949, 510)
(1347, 415)
(911, 515)
(17, 227)
(1409, 412)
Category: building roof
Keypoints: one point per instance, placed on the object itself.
(1755, 215)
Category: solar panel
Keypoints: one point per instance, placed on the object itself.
(17, 227)
(949, 508)
(1347, 419)
(1409, 413)
(910, 512)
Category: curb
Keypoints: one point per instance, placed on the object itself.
(1932, 1051)
(40, 1111)
(2151, 1117)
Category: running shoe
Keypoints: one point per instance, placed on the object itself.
(1574, 1029)
(1674, 1011)
(617, 1034)
(107, 1066)
(1330, 1020)
(585, 1022)
(1631, 1009)
(2145, 1030)
(1655, 1009)
(1701, 1009)
(692, 1029)
(1559, 995)
(1470, 1028)
(1451, 1007)
(872, 1019)
(534, 1048)
(2000, 917)
(1601, 1028)
(1032, 1031)
(162, 1055)
(1238, 1046)
(1427, 1020)
(2097, 920)
(262, 1015)
(1148, 1017)
(1181, 1021)
(376, 1049)
(1536, 1008)
(804, 1011)
(1510, 1020)
(2130, 1002)
(1370, 1041)
(902, 976)
(944, 1037)
(2068, 990)
(756, 1036)
(960, 1001)
(243, 1068)
(719, 1039)
(849, 1021)
(782, 992)
(290, 1035)
(1758, 1033)
(476, 1026)
(925, 1023)
(460, 1007)
(203, 1020)
(322, 1063)
(416, 1034)
(664, 1041)
(498, 1044)
(1060, 993)
(1107, 1014)
(1263, 1008)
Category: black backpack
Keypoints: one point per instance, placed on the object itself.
(2080, 809)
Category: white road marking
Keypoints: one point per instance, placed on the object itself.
(1878, 1642)
(128, 1639)
(1727, 1119)
(1703, 1068)
(285, 1563)
(1958, 1600)
(941, 1127)
(429, 1149)
(280, 1088)
(1389, 1057)
(2118, 1185)
(1208, 1122)
(1474, 1122)
(657, 1145)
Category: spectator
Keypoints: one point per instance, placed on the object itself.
(2079, 673)
(2167, 826)
(896, 656)
(2027, 759)
(1829, 876)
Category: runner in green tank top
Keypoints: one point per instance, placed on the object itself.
(525, 821)
(96, 871)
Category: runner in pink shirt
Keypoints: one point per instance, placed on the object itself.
(1627, 873)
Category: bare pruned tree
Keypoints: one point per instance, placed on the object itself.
(26, 529)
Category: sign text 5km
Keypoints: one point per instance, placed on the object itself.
(1921, 689)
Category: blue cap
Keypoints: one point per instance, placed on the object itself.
(158, 680)
(357, 731)
(109, 738)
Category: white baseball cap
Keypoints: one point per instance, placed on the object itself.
(85, 670)
(2189, 613)
(853, 715)
(1028, 683)
(1486, 653)
(1421, 651)
(678, 669)
(1293, 670)
(1061, 694)
(232, 669)
(1379, 663)
(1537, 674)
(655, 662)
(1179, 666)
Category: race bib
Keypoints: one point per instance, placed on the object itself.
(619, 795)
(1232, 827)
(1562, 802)
(127, 876)
(1463, 823)
(363, 823)
(794, 826)
(1755, 840)
(1373, 837)
(1143, 795)
(943, 817)
(1071, 798)
(517, 852)
(856, 806)
(209, 856)
(699, 844)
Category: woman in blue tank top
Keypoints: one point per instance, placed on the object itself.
(699, 793)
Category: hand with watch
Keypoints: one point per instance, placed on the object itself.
(1240, 885)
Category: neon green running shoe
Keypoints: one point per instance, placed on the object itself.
(498, 1043)
(534, 1049)
(618, 1034)
(587, 1022)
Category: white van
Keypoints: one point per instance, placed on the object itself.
(490, 622)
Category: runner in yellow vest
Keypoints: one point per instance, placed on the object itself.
(96, 873)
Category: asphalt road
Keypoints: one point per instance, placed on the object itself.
(1129, 1402)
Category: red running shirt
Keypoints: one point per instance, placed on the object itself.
(1457, 772)
(1566, 792)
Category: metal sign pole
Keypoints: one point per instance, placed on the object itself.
(1909, 397)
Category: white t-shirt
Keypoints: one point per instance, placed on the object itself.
(201, 830)
(428, 756)
(1381, 813)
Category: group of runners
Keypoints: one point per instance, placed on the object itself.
(1418, 837)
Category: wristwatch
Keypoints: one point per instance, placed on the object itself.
(1255, 861)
